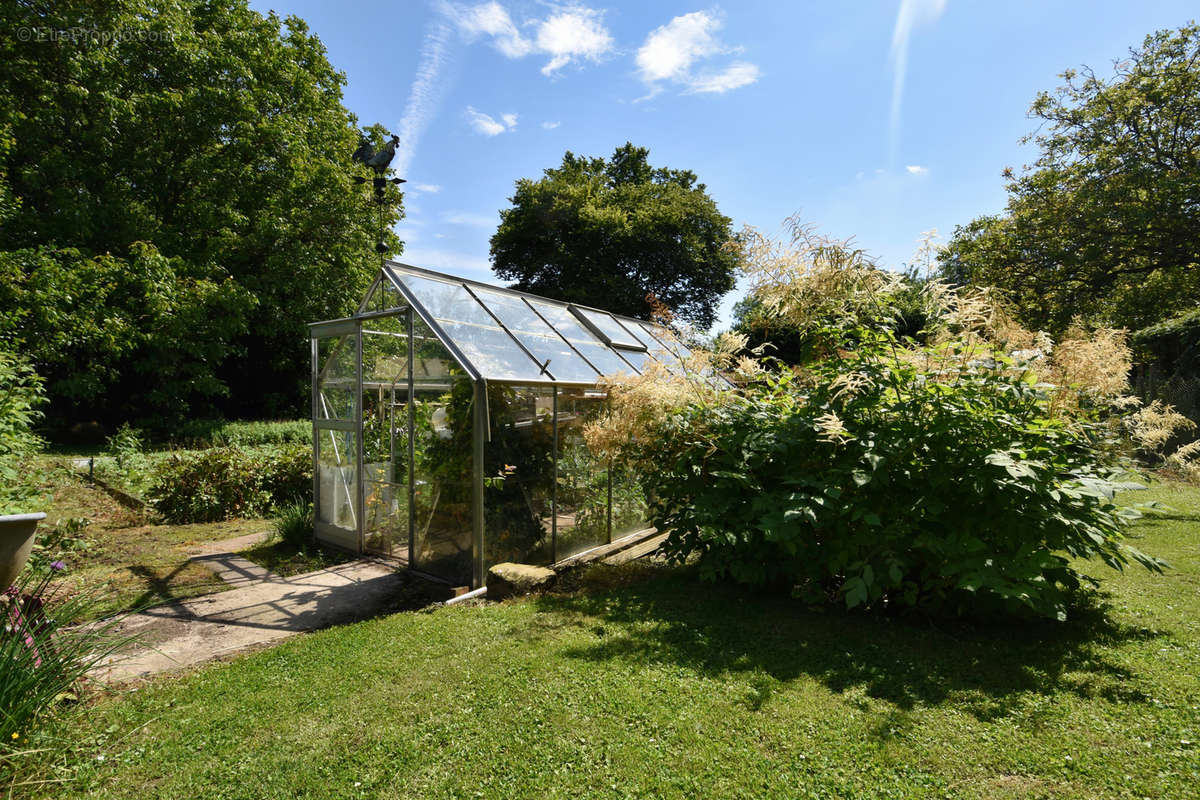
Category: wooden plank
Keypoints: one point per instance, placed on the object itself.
(606, 550)
(643, 548)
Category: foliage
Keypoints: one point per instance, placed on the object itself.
(1104, 223)
(61, 542)
(953, 476)
(294, 524)
(607, 233)
(199, 434)
(227, 482)
(21, 394)
(213, 216)
(43, 658)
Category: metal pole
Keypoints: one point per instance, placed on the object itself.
(477, 438)
(360, 494)
(554, 487)
(412, 499)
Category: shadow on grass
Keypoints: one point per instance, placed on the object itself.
(668, 616)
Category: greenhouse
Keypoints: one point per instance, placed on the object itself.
(448, 424)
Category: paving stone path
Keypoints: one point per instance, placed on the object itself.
(262, 608)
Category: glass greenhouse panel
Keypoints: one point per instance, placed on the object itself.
(442, 480)
(337, 455)
(538, 337)
(629, 512)
(519, 475)
(473, 330)
(384, 297)
(432, 361)
(385, 435)
(582, 487)
(605, 359)
(337, 377)
(493, 352)
(611, 331)
(566, 323)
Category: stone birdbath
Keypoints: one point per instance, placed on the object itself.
(16, 543)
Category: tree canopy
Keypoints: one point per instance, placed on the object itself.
(177, 203)
(609, 233)
(1104, 223)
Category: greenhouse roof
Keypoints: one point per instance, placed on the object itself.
(500, 334)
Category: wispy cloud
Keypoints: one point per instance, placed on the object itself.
(911, 13)
(428, 188)
(672, 51)
(571, 33)
(915, 169)
(489, 125)
(424, 94)
(551, 125)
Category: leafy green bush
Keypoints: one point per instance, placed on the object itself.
(21, 392)
(961, 497)
(958, 475)
(218, 433)
(226, 482)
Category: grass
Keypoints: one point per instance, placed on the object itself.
(648, 684)
(140, 563)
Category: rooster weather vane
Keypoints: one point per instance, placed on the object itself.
(378, 161)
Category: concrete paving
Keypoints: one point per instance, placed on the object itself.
(264, 608)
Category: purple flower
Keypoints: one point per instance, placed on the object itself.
(58, 566)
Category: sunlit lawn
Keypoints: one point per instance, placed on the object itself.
(649, 684)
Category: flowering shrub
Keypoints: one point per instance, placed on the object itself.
(960, 475)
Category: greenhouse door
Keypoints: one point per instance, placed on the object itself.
(336, 414)
(386, 421)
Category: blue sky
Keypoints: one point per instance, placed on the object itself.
(877, 120)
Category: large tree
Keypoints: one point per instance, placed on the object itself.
(609, 233)
(1104, 224)
(180, 204)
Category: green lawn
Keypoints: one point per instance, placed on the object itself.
(649, 684)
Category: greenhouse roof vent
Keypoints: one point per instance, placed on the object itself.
(608, 329)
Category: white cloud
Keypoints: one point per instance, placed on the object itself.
(737, 75)
(469, 218)
(914, 169)
(491, 19)
(911, 13)
(570, 33)
(671, 51)
(430, 188)
(551, 125)
(423, 95)
(488, 125)
(576, 33)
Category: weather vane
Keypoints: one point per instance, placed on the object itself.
(378, 161)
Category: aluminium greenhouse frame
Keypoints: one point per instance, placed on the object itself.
(445, 354)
